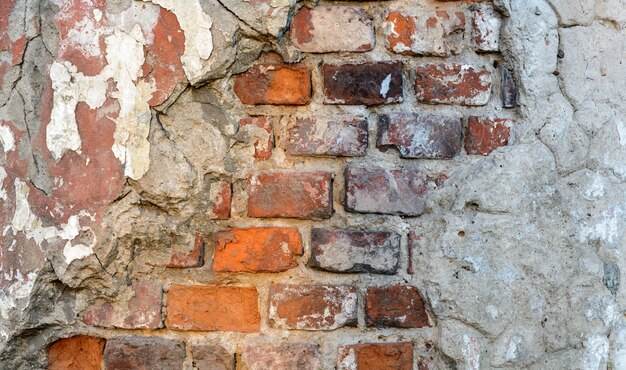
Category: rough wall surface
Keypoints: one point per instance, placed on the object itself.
(206, 184)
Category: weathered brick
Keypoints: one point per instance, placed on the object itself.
(484, 134)
(396, 306)
(188, 258)
(486, 26)
(213, 308)
(208, 357)
(333, 137)
(312, 307)
(375, 252)
(76, 353)
(220, 195)
(453, 84)
(260, 129)
(290, 194)
(289, 356)
(141, 353)
(326, 29)
(258, 249)
(429, 33)
(420, 135)
(508, 89)
(273, 83)
(386, 191)
(139, 308)
(366, 83)
(376, 356)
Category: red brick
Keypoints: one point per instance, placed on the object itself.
(376, 356)
(332, 137)
(326, 29)
(289, 356)
(484, 134)
(140, 353)
(207, 357)
(273, 83)
(213, 308)
(312, 307)
(396, 306)
(220, 194)
(77, 353)
(366, 83)
(258, 249)
(260, 129)
(453, 84)
(290, 194)
(486, 28)
(140, 308)
(420, 135)
(188, 258)
(376, 252)
(433, 33)
(386, 191)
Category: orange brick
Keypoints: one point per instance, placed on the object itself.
(76, 353)
(274, 83)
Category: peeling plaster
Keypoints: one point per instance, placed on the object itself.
(6, 139)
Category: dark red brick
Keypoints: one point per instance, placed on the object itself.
(452, 84)
(76, 353)
(290, 356)
(278, 84)
(332, 137)
(366, 83)
(396, 306)
(484, 134)
(376, 356)
(141, 353)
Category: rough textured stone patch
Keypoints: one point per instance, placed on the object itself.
(486, 28)
(260, 128)
(213, 308)
(208, 357)
(312, 307)
(420, 135)
(375, 252)
(79, 352)
(366, 83)
(192, 258)
(259, 249)
(282, 357)
(396, 306)
(332, 137)
(452, 84)
(376, 356)
(290, 194)
(220, 195)
(142, 353)
(484, 134)
(386, 191)
(326, 29)
(279, 84)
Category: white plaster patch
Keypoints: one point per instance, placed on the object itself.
(6, 139)
(384, 87)
(621, 131)
(596, 352)
(3, 176)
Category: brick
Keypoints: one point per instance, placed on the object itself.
(484, 134)
(375, 252)
(312, 307)
(420, 135)
(366, 83)
(326, 29)
(290, 194)
(141, 353)
(508, 89)
(376, 356)
(486, 26)
(220, 195)
(396, 306)
(274, 83)
(213, 308)
(453, 84)
(76, 353)
(385, 191)
(331, 137)
(289, 356)
(139, 308)
(188, 258)
(258, 249)
(207, 357)
(432, 33)
(260, 129)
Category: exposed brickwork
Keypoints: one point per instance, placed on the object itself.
(484, 134)
(192, 258)
(453, 84)
(76, 353)
(274, 84)
(208, 357)
(282, 357)
(376, 356)
(261, 130)
(143, 353)
(220, 194)
(365, 83)
(395, 306)
(328, 137)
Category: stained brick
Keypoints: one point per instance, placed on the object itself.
(332, 137)
(212, 357)
(76, 353)
(366, 83)
(332, 28)
(420, 135)
(486, 28)
(386, 191)
(273, 83)
(213, 308)
(376, 356)
(260, 129)
(188, 258)
(258, 249)
(453, 84)
(220, 195)
(375, 252)
(141, 353)
(484, 134)
(290, 194)
(435, 33)
(289, 356)
(312, 307)
(396, 306)
(508, 89)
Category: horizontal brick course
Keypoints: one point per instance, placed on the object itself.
(453, 84)
(143, 353)
(328, 137)
(365, 83)
(273, 83)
